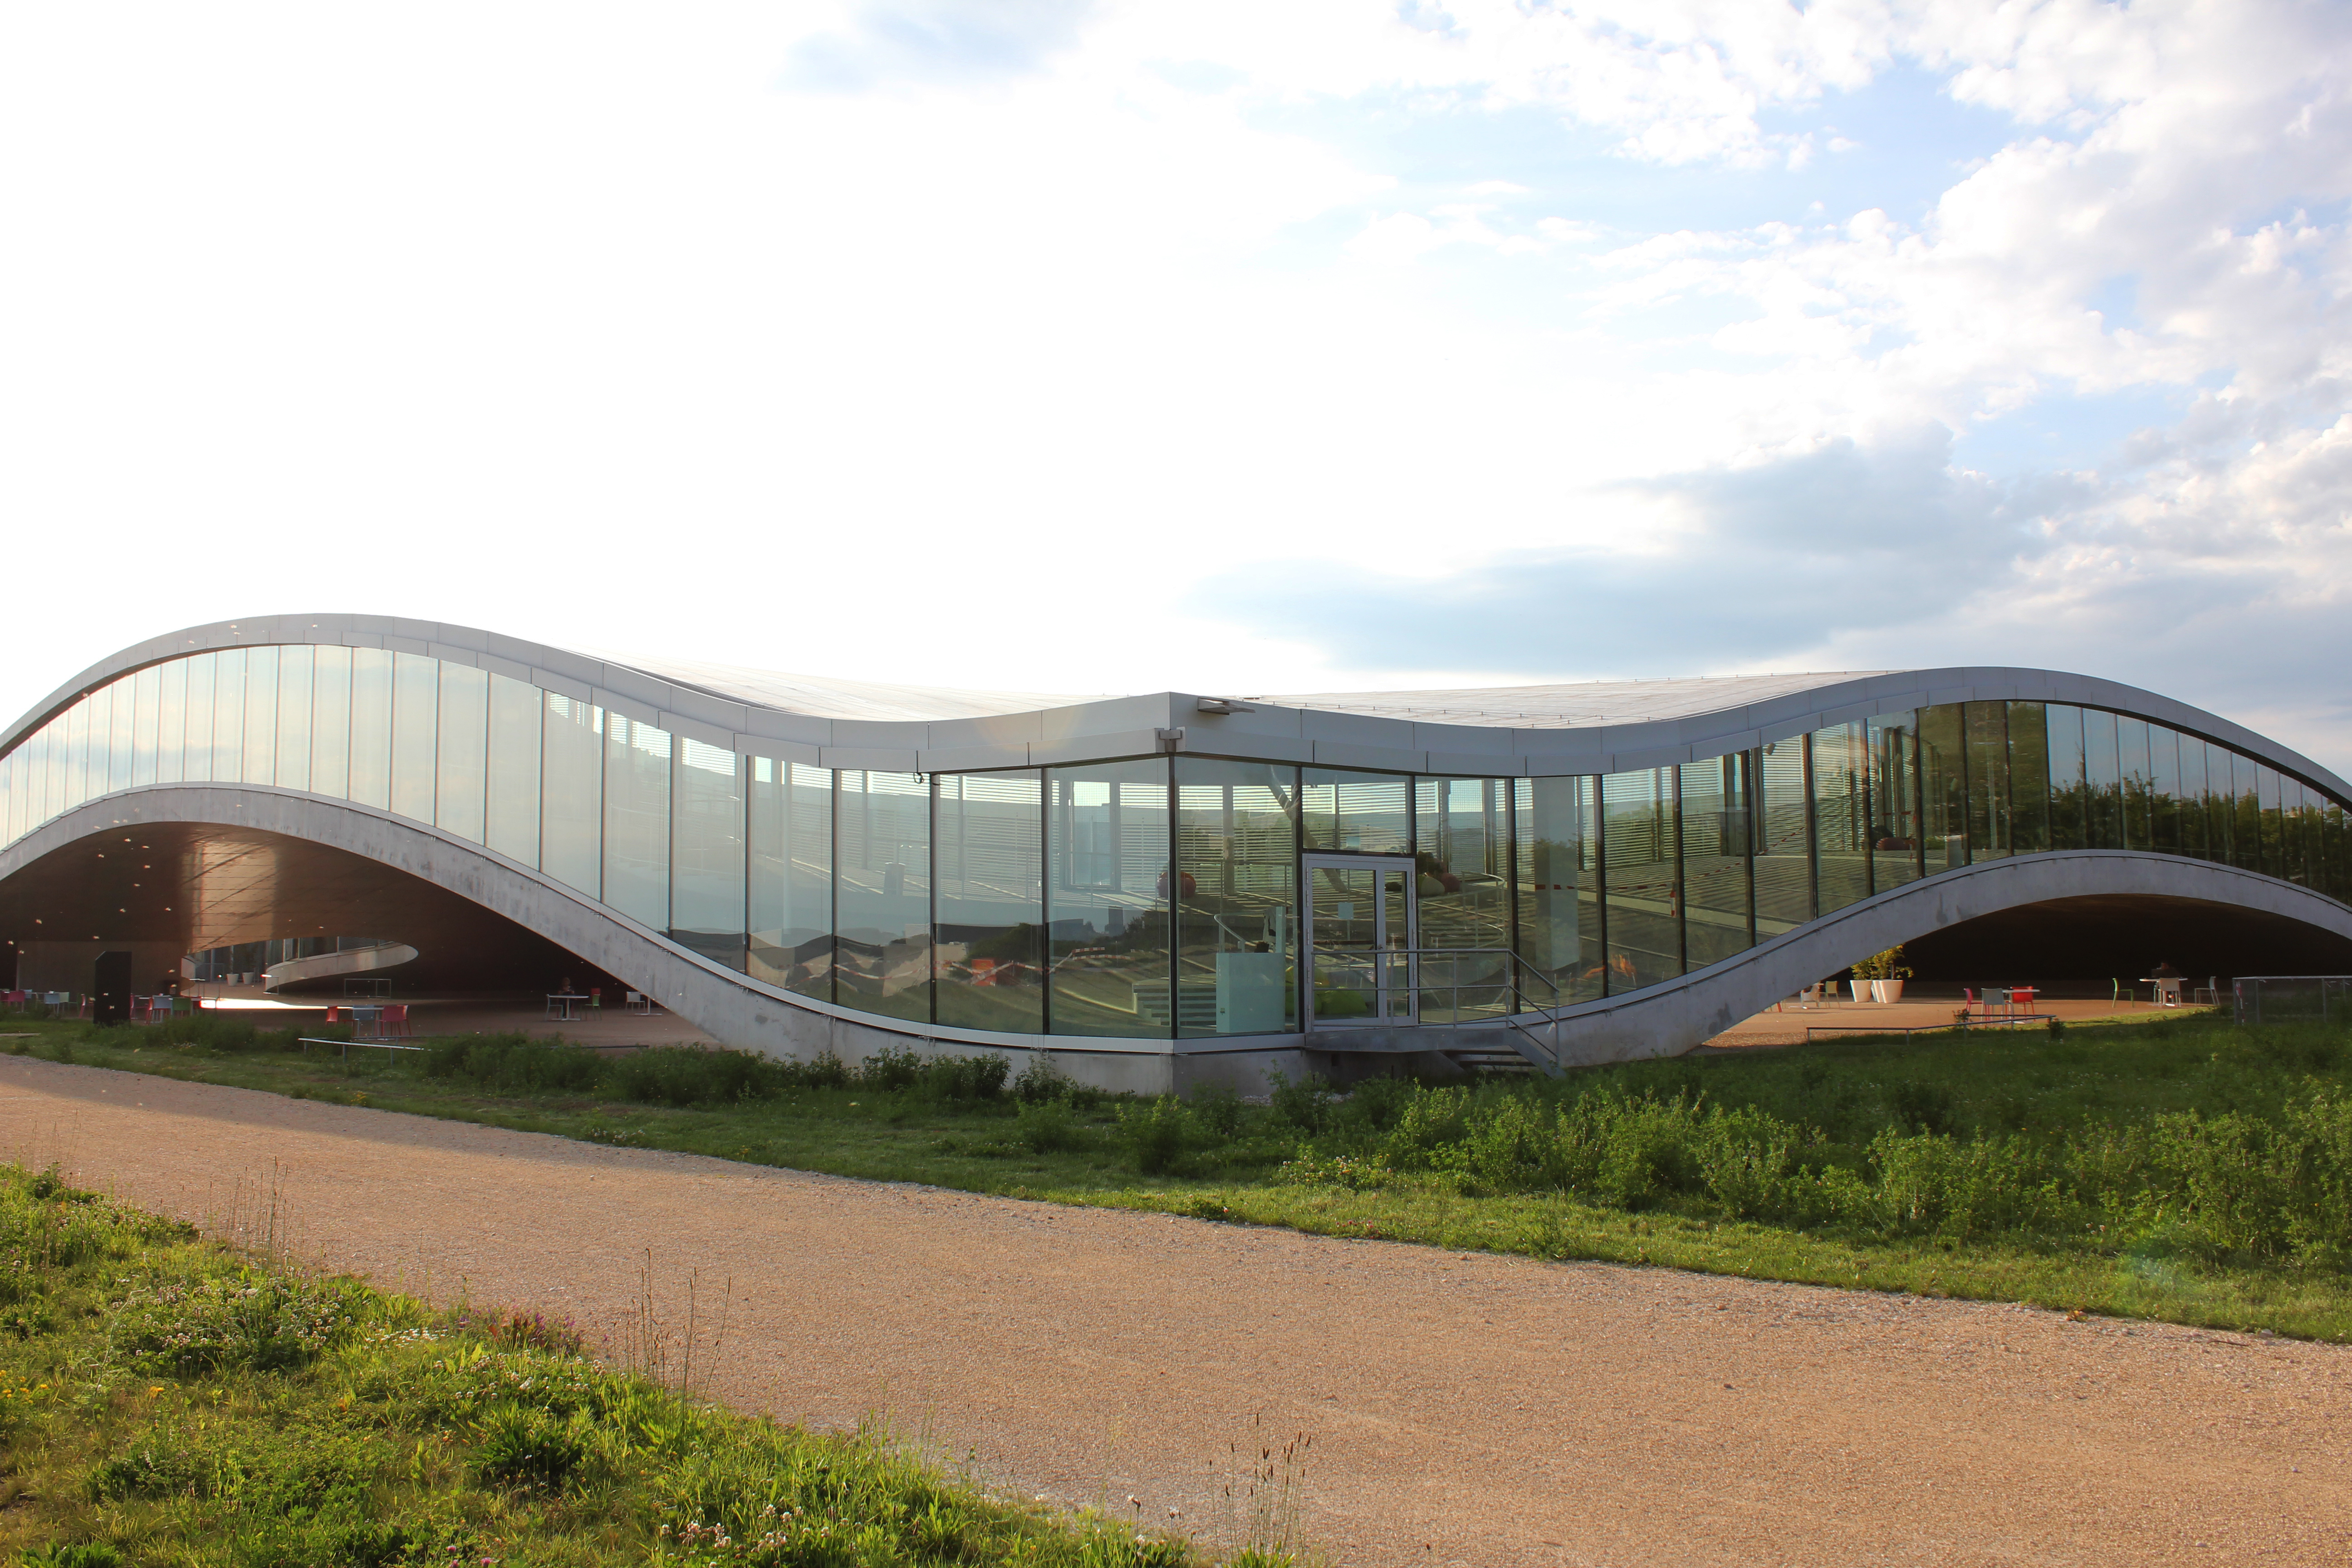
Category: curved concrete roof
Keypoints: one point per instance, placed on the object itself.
(1599, 727)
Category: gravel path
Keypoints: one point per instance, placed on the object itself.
(1462, 1409)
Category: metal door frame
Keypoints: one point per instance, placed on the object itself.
(1405, 864)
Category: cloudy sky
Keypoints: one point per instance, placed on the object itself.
(1088, 345)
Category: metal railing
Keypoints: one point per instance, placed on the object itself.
(2291, 998)
(1502, 995)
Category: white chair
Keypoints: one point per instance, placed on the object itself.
(640, 1003)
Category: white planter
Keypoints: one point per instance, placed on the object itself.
(1887, 991)
(1859, 988)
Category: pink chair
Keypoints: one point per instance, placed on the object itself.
(394, 1018)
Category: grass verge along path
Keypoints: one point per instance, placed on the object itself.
(165, 1401)
(2181, 1169)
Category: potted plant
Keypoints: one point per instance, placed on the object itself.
(1884, 974)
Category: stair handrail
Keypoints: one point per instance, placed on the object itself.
(1523, 1006)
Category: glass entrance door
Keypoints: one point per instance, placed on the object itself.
(1358, 921)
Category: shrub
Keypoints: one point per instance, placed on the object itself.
(1047, 1127)
(1931, 1182)
(72, 1555)
(965, 1078)
(683, 1075)
(1042, 1079)
(516, 1063)
(1922, 1107)
(1218, 1111)
(1749, 1162)
(1306, 1106)
(1157, 1132)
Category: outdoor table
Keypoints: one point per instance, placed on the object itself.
(562, 1000)
(367, 1023)
(2167, 988)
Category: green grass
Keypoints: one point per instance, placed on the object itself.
(2178, 1168)
(164, 1401)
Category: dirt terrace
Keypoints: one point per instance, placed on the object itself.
(1462, 1409)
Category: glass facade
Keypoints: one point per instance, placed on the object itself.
(1159, 898)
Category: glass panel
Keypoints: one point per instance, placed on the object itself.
(1894, 744)
(637, 820)
(572, 800)
(52, 792)
(416, 724)
(147, 690)
(2221, 806)
(462, 757)
(122, 716)
(1106, 897)
(77, 770)
(2338, 842)
(2191, 796)
(511, 798)
(1990, 830)
(1644, 895)
(990, 855)
(883, 888)
(2274, 833)
(371, 753)
(1237, 862)
(171, 721)
(1784, 852)
(1714, 819)
(706, 902)
(1358, 916)
(294, 669)
(2131, 743)
(196, 750)
(1841, 842)
(2246, 826)
(2070, 809)
(1943, 779)
(330, 721)
(1463, 877)
(1362, 812)
(2102, 773)
(2163, 790)
(260, 753)
(2029, 778)
(2294, 804)
(791, 893)
(228, 716)
(1559, 915)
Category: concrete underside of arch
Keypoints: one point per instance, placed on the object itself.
(180, 867)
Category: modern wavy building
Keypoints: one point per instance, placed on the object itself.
(1160, 889)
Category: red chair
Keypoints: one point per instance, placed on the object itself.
(394, 1019)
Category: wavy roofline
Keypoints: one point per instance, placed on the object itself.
(1327, 730)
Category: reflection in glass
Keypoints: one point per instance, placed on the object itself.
(462, 756)
(883, 893)
(1560, 912)
(2246, 825)
(2132, 761)
(76, 754)
(1893, 746)
(197, 753)
(511, 798)
(330, 721)
(1365, 813)
(2070, 808)
(1989, 827)
(1462, 869)
(1714, 820)
(1644, 890)
(228, 716)
(1784, 849)
(2029, 778)
(416, 725)
(991, 854)
(146, 702)
(1943, 785)
(171, 721)
(1237, 860)
(790, 894)
(2221, 806)
(294, 671)
(2103, 775)
(2163, 790)
(1106, 898)
(1841, 841)
(121, 723)
(706, 912)
(637, 819)
(2273, 837)
(260, 750)
(2192, 808)
(571, 798)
